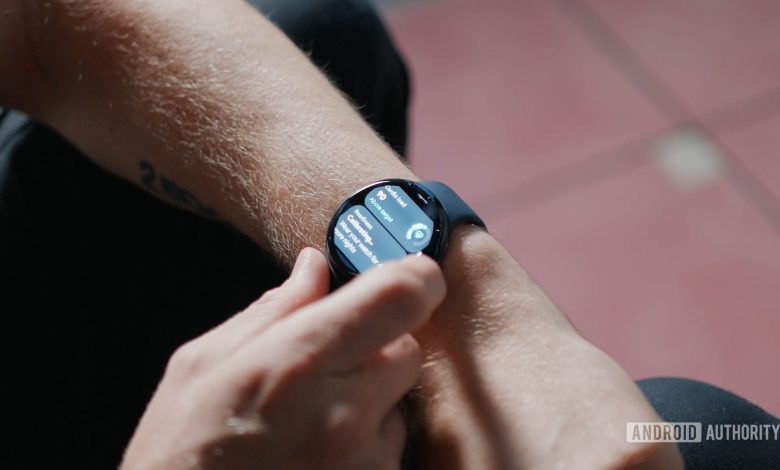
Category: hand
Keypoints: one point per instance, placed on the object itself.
(509, 383)
(301, 379)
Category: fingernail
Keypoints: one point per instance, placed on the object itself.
(433, 277)
(412, 256)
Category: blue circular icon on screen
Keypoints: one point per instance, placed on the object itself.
(418, 234)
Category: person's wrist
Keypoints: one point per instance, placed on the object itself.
(490, 294)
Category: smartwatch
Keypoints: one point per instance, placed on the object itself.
(390, 219)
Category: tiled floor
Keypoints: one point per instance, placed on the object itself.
(628, 153)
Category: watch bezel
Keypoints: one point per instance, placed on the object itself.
(343, 269)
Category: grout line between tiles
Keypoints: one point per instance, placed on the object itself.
(607, 164)
(744, 113)
(623, 58)
(583, 173)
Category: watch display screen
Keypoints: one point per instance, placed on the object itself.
(387, 224)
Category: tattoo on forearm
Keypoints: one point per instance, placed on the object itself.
(161, 185)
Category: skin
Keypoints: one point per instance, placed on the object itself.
(296, 370)
(215, 99)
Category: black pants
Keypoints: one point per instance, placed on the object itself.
(101, 282)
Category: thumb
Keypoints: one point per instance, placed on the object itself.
(309, 281)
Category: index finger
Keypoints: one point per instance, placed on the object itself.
(371, 311)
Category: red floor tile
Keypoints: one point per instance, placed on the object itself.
(758, 147)
(505, 91)
(666, 281)
(709, 54)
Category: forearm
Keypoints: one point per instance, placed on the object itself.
(247, 126)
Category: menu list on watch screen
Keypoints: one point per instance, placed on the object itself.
(388, 226)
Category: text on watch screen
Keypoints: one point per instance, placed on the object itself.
(388, 226)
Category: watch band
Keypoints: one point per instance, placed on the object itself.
(458, 211)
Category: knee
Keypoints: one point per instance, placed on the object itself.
(349, 41)
(683, 400)
(676, 399)
(348, 24)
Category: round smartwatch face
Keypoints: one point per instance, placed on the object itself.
(382, 222)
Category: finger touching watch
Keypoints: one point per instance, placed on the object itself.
(390, 219)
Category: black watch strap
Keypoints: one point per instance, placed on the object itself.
(458, 211)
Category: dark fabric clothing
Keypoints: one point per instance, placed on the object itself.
(684, 401)
(100, 282)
